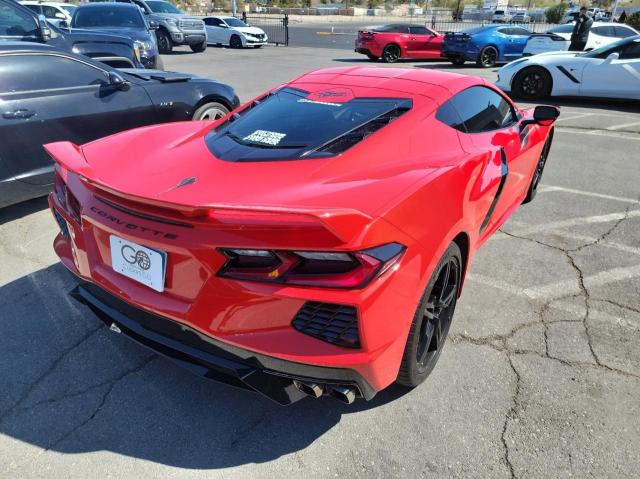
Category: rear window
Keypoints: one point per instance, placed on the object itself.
(293, 124)
(391, 29)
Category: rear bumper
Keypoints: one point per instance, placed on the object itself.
(210, 358)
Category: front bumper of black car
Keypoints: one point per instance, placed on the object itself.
(213, 359)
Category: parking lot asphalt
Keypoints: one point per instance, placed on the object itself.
(540, 376)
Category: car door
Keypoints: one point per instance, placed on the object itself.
(423, 43)
(492, 124)
(215, 32)
(515, 42)
(47, 97)
(611, 77)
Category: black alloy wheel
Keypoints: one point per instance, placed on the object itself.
(532, 83)
(432, 320)
(391, 54)
(537, 173)
(199, 47)
(165, 45)
(235, 41)
(488, 57)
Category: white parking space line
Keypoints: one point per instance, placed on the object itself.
(623, 125)
(585, 220)
(564, 288)
(549, 189)
(607, 133)
(575, 117)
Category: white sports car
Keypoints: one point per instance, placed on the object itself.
(612, 71)
(233, 32)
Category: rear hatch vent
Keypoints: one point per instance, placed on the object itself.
(334, 323)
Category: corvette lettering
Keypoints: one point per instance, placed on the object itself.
(132, 226)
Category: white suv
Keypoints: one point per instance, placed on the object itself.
(501, 16)
(54, 12)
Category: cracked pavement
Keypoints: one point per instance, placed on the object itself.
(540, 377)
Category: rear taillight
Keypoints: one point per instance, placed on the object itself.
(67, 199)
(326, 269)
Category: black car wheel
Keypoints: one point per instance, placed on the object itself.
(488, 57)
(458, 61)
(432, 320)
(235, 41)
(199, 47)
(391, 54)
(537, 174)
(533, 83)
(165, 44)
(210, 111)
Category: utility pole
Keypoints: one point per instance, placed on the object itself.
(234, 8)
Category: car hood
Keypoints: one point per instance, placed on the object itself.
(133, 33)
(179, 16)
(249, 30)
(159, 75)
(149, 163)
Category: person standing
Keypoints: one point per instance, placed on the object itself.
(581, 29)
(623, 17)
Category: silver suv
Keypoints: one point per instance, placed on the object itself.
(174, 26)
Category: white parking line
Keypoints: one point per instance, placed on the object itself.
(586, 220)
(583, 115)
(549, 189)
(610, 134)
(623, 125)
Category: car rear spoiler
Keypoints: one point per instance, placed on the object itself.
(327, 225)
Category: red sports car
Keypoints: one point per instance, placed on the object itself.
(312, 242)
(396, 41)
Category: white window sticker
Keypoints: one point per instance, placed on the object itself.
(267, 137)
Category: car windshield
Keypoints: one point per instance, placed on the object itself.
(604, 51)
(108, 16)
(158, 6)
(234, 22)
(296, 120)
(69, 8)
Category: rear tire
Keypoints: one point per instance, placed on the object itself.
(533, 83)
(488, 57)
(165, 44)
(432, 319)
(199, 47)
(537, 174)
(391, 53)
(235, 41)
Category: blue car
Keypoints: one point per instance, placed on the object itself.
(486, 45)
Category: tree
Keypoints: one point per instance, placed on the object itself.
(554, 14)
(633, 20)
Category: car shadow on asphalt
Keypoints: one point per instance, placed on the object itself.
(20, 210)
(73, 386)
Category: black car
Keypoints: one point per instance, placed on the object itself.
(19, 24)
(121, 19)
(49, 95)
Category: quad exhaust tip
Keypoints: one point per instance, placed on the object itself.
(345, 394)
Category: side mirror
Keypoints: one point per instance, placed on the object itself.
(60, 15)
(43, 27)
(612, 56)
(153, 25)
(63, 24)
(118, 82)
(542, 115)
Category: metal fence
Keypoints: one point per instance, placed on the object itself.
(447, 25)
(275, 26)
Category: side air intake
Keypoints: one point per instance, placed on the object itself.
(334, 323)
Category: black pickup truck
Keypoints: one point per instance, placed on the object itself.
(18, 23)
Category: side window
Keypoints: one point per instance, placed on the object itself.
(418, 30)
(605, 31)
(33, 8)
(45, 72)
(631, 51)
(482, 109)
(49, 12)
(16, 23)
(505, 30)
(448, 115)
(520, 31)
(623, 32)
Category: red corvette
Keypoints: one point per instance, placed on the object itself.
(396, 41)
(312, 242)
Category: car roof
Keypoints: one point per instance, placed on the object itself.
(48, 4)
(25, 47)
(105, 4)
(435, 84)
